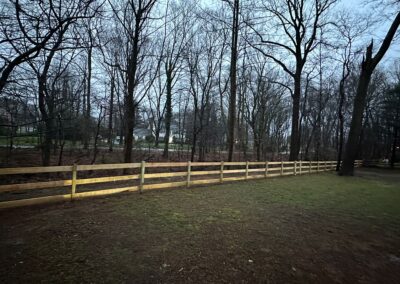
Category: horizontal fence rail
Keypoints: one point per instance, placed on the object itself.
(188, 174)
(380, 164)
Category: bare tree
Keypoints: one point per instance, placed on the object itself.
(349, 29)
(295, 37)
(176, 36)
(32, 26)
(133, 17)
(368, 66)
(202, 67)
(232, 76)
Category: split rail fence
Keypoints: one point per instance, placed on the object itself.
(193, 173)
(380, 164)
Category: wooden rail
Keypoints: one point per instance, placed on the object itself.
(379, 164)
(243, 171)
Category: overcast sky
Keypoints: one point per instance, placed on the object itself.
(380, 30)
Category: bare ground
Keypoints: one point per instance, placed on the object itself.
(308, 229)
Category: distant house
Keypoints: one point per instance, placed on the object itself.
(174, 134)
(140, 134)
(161, 137)
(26, 129)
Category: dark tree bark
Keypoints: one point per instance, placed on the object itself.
(46, 101)
(295, 132)
(196, 127)
(88, 94)
(61, 139)
(96, 137)
(111, 113)
(367, 67)
(141, 11)
(394, 145)
(129, 102)
(393, 107)
(168, 105)
(232, 75)
(342, 96)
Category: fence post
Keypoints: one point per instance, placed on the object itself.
(142, 171)
(221, 173)
(74, 176)
(189, 169)
(309, 167)
(281, 168)
(266, 169)
(295, 167)
(247, 169)
(300, 167)
(317, 166)
(325, 167)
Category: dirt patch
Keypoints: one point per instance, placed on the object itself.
(249, 232)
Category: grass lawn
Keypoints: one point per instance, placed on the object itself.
(20, 140)
(317, 228)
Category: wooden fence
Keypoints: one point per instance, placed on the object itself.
(379, 164)
(190, 175)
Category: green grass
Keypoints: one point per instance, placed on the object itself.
(329, 192)
(20, 140)
(355, 197)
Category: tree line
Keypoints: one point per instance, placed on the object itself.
(267, 79)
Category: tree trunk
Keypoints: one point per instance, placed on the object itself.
(88, 95)
(46, 146)
(111, 113)
(129, 126)
(168, 112)
(367, 67)
(295, 134)
(341, 134)
(257, 144)
(193, 151)
(47, 117)
(157, 136)
(61, 139)
(96, 137)
(356, 122)
(345, 74)
(129, 102)
(394, 144)
(233, 67)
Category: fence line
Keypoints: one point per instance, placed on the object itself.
(269, 169)
(380, 164)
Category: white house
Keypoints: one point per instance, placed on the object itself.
(140, 134)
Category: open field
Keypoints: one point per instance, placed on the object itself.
(315, 228)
